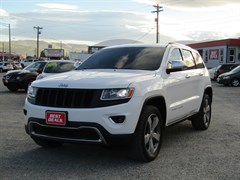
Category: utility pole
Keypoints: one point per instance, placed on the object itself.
(3, 51)
(38, 33)
(158, 9)
(9, 32)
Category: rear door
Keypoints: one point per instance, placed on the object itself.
(195, 71)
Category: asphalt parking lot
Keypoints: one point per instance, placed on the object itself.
(186, 154)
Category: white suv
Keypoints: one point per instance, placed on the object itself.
(5, 66)
(126, 93)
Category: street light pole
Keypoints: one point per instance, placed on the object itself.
(158, 9)
(38, 33)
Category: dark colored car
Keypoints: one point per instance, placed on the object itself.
(223, 68)
(230, 78)
(21, 79)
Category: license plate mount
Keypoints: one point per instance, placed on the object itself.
(56, 118)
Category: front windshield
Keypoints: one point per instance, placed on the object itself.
(58, 67)
(35, 66)
(138, 58)
(236, 69)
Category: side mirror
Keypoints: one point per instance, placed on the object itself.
(174, 66)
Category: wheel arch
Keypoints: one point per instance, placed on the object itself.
(160, 103)
(209, 91)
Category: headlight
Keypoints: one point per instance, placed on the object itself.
(115, 94)
(31, 94)
(226, 77)
(18, 77)
(7, 77)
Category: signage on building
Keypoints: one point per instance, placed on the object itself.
(54, 52)
(214, 54)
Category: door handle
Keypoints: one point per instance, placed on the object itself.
(201, 74)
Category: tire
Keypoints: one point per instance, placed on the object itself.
(1, 70)
(147, 139)
(202, 119)
(235, 82)
(13, 89)
(47, 143)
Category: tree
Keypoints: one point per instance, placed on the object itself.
(42, 54)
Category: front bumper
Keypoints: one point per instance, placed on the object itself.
(223, 81)
(13, 83)
(74, 133)
(95, 120)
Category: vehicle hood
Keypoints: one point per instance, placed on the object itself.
(17, 72)
(13, 72)
(226, 74)
(95, 79)
(43, 75)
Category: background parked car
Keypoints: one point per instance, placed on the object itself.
(5, 66)
(230, 78)
(21, 79)
(224, 68)
(16, 65)
(27, 62)
(56, 66)
(211, 72)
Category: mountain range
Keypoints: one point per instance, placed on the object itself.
(28, 47)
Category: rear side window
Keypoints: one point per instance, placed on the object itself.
(188, 59)
(198, 60)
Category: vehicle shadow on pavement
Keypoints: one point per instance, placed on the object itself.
(12, 92)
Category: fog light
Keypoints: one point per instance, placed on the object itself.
(117, 119)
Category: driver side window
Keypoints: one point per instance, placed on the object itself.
(175, 56)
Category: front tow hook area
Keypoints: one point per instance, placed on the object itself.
(25, 112)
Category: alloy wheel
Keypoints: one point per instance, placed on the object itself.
(207, 113)
(152, 134)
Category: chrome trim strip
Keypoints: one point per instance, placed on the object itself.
(100, 140)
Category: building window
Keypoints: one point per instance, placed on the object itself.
(206, 56)
(200, 51)
(221, 55)
(231, 55)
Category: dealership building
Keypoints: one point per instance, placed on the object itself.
(219, 51)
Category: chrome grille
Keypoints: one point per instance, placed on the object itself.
(68, 98)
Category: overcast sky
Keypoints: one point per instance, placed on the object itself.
(93, 21)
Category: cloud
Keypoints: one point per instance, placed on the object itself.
(3, 13)
(98, 25)
(189, 3)
(58, 6)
